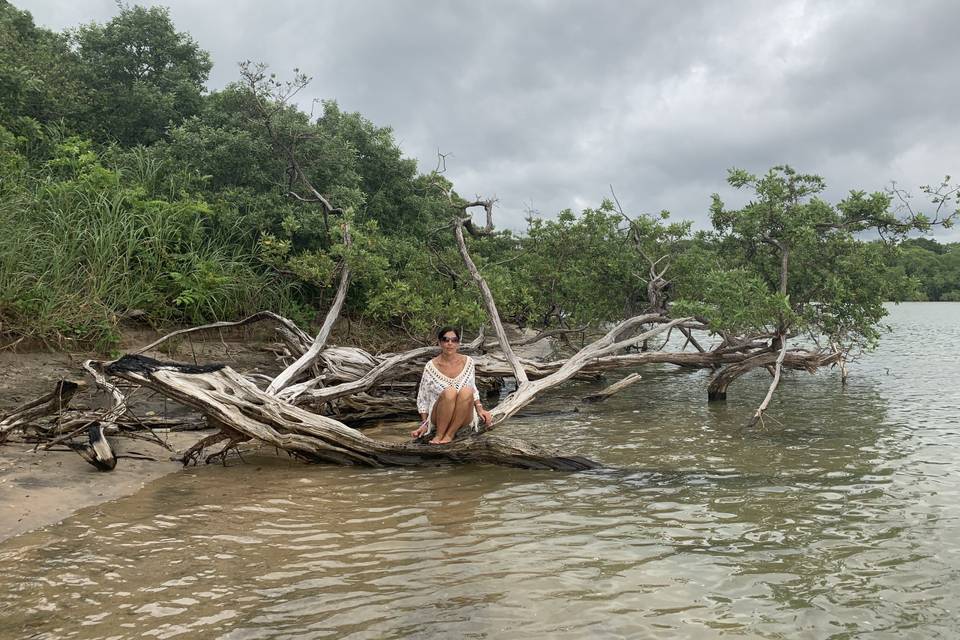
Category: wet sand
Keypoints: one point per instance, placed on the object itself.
(44, 487)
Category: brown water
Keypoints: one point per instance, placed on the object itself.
(841, 521)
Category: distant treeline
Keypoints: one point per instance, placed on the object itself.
(128, 191)
(932, 270)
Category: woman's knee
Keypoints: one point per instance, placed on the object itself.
(448, 394)
(465, 394)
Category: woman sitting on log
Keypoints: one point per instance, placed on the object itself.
(448, 392)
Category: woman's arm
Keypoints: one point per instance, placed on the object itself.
(423, 406)
(483, 413)
(477, 404)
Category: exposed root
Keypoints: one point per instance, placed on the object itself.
(232, 445)
(191, 455)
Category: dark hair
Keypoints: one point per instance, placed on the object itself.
(447, 329)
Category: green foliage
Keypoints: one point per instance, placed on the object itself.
(574, 269)
(125, 187)
(84, 246)
(802, 248)
(139, 76)
(927, 270)
(38, 75)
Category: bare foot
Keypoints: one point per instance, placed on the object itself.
(435, 441)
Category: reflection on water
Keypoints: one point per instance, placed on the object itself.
(838, 521)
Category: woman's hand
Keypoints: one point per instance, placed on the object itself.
(421, 430)
(485, 416)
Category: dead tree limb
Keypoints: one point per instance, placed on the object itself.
(688, 334)
(550, 333)
(365, 372)
(778, 367)
(288, 375)
(232, 436)
(98, 451)
(606, 345)
(372, 378)
(487, 208)
(51, 403)
(223, 395)
(119, 399)
(616, 387)
(526, 390)
(259, 316)
(490, 304)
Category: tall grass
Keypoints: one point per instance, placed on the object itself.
(80, 253)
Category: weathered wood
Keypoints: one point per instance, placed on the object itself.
(356, 371)
(491, 306)
(223, 395)
(616, 387)
(289, 328)
(778, 367)
(607, 345)
(288, 375)
(98, 451)
(362, 407)
(50, 403)
(737, 365)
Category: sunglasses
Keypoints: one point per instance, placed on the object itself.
(453, 339)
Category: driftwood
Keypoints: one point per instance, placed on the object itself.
(98, 451)
(49, 421)
(221, 393)
(51, 403)
(616, 387)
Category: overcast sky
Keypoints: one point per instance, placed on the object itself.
(545, 104)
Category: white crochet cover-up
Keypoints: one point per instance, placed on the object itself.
(433, 382)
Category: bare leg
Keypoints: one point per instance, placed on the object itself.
(443, 413)
(462, 414)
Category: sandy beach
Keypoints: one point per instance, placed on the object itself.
(44, 487)
(39, 488)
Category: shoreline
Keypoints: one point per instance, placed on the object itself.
(42, 488)
(39, 489)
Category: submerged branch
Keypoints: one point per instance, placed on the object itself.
(778, 366)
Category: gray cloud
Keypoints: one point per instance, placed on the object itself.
(546, 103)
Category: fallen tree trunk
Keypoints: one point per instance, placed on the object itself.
(344, 379)
(741, 364)
(222, 394)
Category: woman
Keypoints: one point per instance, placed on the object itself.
(448, 392)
